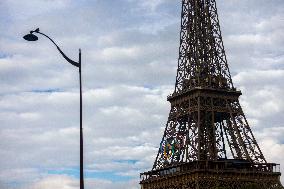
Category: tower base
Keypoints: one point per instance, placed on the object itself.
(225, 174)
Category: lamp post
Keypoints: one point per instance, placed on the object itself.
(32, 37)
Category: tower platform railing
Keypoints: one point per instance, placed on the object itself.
(219, 166)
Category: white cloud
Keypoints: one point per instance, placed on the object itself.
(52, 182)
(114, 53)
(272, 145)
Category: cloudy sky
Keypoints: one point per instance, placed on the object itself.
(129, 57)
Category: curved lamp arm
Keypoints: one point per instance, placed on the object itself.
(77, 64)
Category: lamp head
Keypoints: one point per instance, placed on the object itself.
(30, 37)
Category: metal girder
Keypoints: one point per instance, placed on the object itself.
(201, 125)
(207, 142)
(202, 59)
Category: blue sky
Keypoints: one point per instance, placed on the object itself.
(129, 57)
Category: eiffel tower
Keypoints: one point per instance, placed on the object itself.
(207, 143)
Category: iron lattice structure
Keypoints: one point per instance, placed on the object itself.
(207, 142)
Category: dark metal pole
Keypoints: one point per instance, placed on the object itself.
(32, 37)
(81, 129)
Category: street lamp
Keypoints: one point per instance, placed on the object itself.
(32, 37)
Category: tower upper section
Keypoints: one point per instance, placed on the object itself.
(202, 59)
